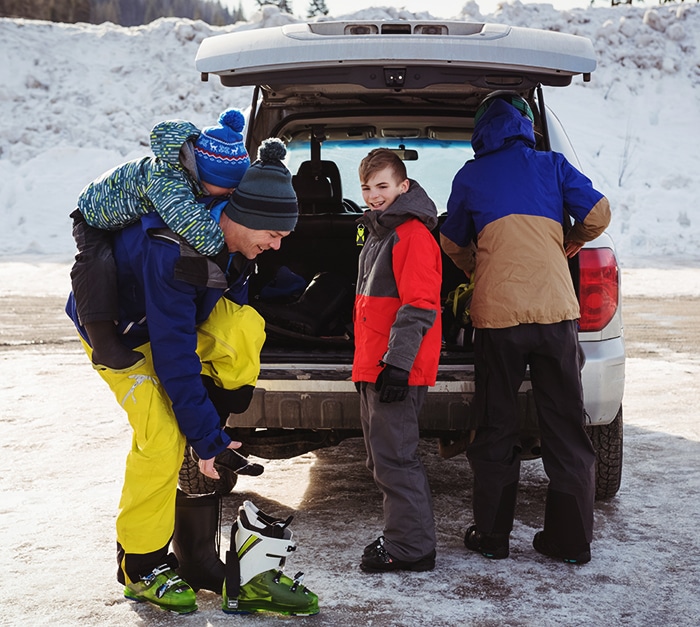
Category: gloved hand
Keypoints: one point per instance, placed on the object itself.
(392, 384)
(229, 459)
(235, 462)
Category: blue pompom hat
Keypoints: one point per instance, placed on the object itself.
(222, 158)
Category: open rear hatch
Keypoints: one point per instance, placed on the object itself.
(395, 55)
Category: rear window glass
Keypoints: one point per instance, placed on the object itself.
(434, 168)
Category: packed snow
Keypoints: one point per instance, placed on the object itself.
(79, 99)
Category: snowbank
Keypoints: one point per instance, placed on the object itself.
(78, 99)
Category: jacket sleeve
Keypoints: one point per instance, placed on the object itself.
(175, 202)
(589, 208)
(418, 273)
(458, 227)
(593, 224)
(464, 257)
(171, 312)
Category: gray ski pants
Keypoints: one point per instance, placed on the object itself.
(391, 439)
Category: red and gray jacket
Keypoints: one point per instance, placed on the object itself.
(397, 303)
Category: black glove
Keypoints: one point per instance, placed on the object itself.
(234, 462)
(392, 384)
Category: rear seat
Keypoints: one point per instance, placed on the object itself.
(318, 187)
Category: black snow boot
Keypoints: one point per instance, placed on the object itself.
(494, 544)
(233, 462)
(196, 541)
(107, 350)
(565, 535)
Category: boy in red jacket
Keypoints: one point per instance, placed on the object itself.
(397, 348)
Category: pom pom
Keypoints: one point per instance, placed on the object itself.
(232, 118)
(272, 149)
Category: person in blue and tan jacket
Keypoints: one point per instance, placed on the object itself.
(511, 200)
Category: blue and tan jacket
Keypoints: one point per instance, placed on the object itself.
(166, 183)
(511, 200)
(398, 291)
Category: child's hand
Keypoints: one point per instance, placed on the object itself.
(392, 384)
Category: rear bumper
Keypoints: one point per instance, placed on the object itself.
(316, 397)
(309, 398)
(603, 379)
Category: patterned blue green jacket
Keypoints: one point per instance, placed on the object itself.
(161, 183)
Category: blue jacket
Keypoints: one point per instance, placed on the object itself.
(165, 290)
(511, 200)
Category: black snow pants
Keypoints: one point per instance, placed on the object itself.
(501, 360)
(94, 273)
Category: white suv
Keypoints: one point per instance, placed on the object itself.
(332, 91)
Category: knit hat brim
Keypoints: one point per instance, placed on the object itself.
(265, 198)
(223, 172)
(261, 212)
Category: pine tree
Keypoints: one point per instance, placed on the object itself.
(122, 12)
(317, 7)
(283, 5)
(238, 15)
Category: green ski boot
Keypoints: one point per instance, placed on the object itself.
(273, 591)
(163, 588)
(254, 581)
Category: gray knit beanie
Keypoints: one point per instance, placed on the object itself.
(264, 199)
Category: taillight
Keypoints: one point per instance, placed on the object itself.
(599, 287)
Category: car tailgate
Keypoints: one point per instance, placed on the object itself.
(353, 52)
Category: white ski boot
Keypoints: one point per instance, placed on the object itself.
(254, 579)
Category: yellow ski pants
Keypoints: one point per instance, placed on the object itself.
(228, 344)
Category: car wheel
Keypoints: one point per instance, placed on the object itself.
(193, 482)
(607, 442)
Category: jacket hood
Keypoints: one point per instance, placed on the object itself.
(415, 203)
(500, 126)
(168, 137)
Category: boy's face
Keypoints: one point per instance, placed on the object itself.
(382, 189)
(216, 191)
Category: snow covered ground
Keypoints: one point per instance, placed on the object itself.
(62, 447)
(78, 99)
